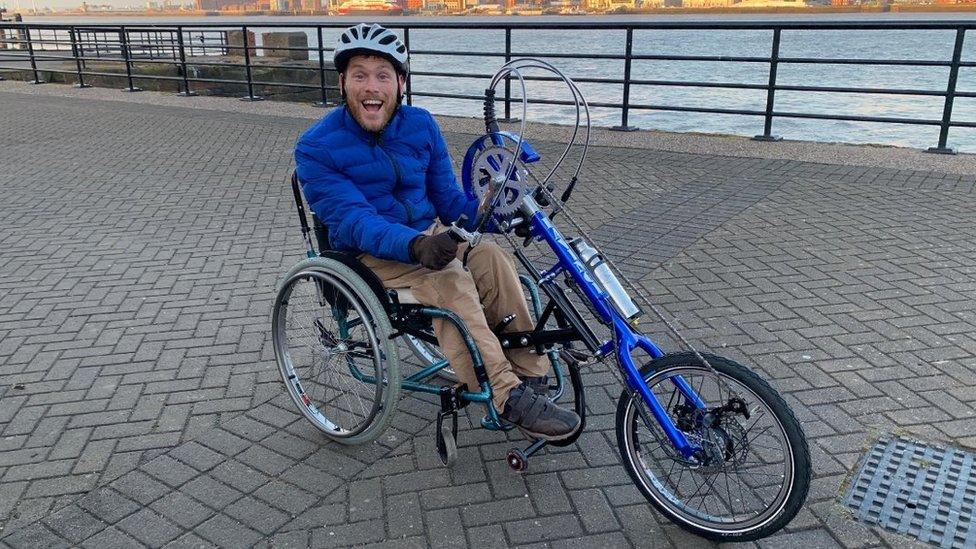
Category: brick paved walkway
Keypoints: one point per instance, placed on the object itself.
(140, 402)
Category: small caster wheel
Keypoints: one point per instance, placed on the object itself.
(517, 460)
(447, 445)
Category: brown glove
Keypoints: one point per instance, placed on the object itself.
(433, 252)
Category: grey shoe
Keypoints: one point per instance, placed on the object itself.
(537, 416)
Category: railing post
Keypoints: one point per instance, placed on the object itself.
(942, 148)
(406, 43)
(508, 79)
(624, 127)
(78, 53)
(124, 42)
(247, 67)
(325, 96)
(30, 52)
(767, 134)
(3, 46)
(186, 79)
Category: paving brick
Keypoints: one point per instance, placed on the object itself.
(257, 515)
(226, 532)
(239, 476)
(210, 491)
(197, 456)
(140, 487)
(110, 538)
(182, 510)
(36, 535)
(108, 505)
(169, 471)
(150, 528)
(402, 516)
(497, 511)
(444, 528)
(189, 540)
(286, 497)
(594, 511)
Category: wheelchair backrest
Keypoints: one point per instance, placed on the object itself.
(321, 234)
(320, 230)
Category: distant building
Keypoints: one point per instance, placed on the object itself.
(708, 3)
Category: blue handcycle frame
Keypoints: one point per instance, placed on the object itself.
(626, 338)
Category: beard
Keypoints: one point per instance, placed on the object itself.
(372, 120)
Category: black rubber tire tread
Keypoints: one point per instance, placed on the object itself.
(357, 286)
(794, 432)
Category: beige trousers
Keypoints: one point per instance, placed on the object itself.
(482, 296)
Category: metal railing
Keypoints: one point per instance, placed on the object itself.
(175, 44)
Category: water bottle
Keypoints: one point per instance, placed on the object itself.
(605, 277)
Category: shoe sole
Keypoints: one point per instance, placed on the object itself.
(549, 438)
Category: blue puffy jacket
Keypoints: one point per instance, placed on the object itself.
(375, 193)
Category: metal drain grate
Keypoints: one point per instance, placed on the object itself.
(918, 489)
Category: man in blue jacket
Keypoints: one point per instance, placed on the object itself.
(379, 176)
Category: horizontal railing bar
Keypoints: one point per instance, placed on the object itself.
(853, 118)
(526, 77)
(840, 89)
(514, 55)
(706, 110)
(855, 61)
(579, 25)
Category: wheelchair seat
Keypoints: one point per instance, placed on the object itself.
(404, 296)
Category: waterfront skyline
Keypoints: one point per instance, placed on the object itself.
(445, 7)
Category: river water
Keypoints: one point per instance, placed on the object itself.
(868, 44)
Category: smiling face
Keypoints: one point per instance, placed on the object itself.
(371, 85)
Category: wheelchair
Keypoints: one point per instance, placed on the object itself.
(335, 331)
(709, 443)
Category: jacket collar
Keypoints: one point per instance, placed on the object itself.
(369, 137)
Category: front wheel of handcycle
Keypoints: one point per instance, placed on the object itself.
(752, 474)
(332, 342)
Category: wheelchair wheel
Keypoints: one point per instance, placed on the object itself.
(332, 342)
(753, 472)
(427, 354)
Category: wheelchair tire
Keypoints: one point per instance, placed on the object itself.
(758, 451)
(331, 338)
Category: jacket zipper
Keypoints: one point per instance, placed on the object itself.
(396, 172)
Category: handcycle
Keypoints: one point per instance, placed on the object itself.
(708, 442)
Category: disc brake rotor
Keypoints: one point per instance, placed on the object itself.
(490, 167)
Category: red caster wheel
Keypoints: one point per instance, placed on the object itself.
(517, 460)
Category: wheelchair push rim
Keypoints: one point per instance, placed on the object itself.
(333, 355)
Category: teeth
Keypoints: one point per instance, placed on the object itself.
(372, 102)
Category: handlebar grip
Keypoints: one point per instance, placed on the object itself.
(491, 125)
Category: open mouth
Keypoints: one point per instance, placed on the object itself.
(372, 105)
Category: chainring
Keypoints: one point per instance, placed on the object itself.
(490, 167)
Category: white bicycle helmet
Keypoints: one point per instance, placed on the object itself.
(374, 39)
